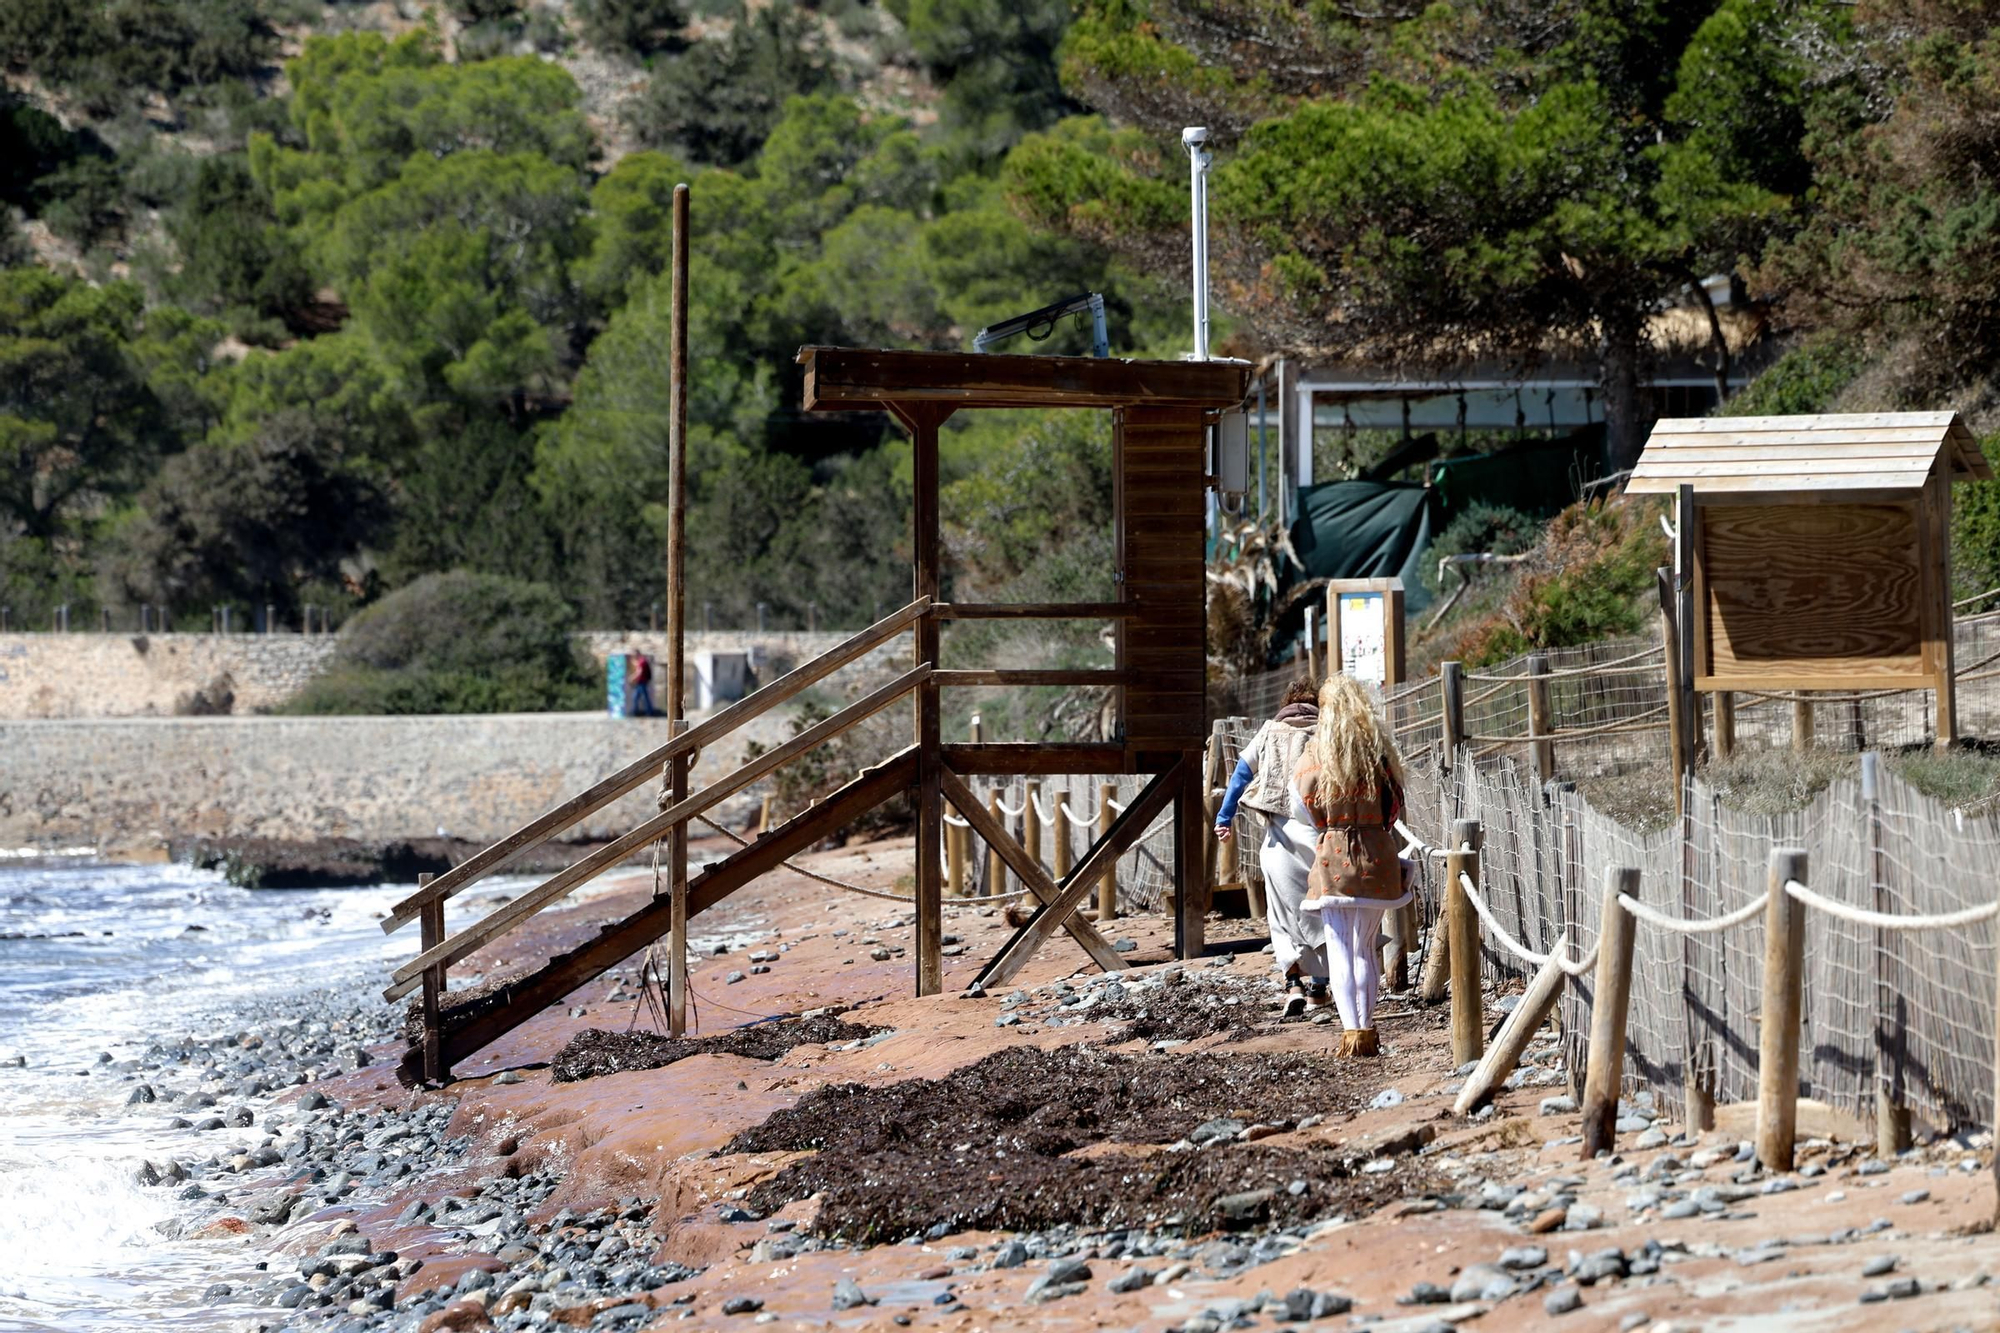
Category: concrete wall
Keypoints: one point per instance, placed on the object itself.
(155, 675)
(125, 782)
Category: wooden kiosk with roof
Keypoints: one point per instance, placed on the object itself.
(1161, 411)
(1814, 552)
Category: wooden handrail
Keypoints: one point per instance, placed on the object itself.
(642, 770)
(512, 914)
(1011, 676)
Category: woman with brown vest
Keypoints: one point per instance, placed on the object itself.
(1349, 784)
(1262, 781)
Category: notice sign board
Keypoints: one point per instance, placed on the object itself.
(1364, 629)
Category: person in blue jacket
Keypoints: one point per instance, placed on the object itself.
(1262, 782)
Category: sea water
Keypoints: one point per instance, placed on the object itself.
(112, 958)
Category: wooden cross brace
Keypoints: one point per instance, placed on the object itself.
(1059, 909)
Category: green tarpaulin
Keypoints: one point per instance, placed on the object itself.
(1367, 529)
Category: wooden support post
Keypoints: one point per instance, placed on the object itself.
(1396, 948)
(764, 816)
(1312, 645)
(1059, 826)
(1610, 1002)
(1892, 1115)
(1996, 1088)
(923, 422)
(1538, 717)
(1468, 1016)
(1687, 529)
(1107, 887)
(1031, 819)
(677, 887)
(1724, 743)
(1783, 1002)
(996, 869)
(1191, 835)
(1451, 681)
(1512, 1039)
(1802, 726)
(1677, 720)
(430, 935)
(954, 842)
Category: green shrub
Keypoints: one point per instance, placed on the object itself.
(457, 643)
(1480, 527)
(1805, 379)
(1975, 535)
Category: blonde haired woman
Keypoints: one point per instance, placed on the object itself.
(1349, 785)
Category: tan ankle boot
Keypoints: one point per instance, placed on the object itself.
(1365, 1042)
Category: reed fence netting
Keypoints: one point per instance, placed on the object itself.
(1903, 1013)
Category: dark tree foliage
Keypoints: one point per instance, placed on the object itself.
(457, 642)
(34, 147)
(233, 253)
(254, 522)
(719, 99)
(633, 27)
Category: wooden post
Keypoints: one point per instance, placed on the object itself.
(1802, 726)
(677, 889)
(1312, 645)
(430, 927)
(1610, 1001)
(923, 422)
(764, 816)
(1392, 639)
(1059, 807)
(996, 869)
(1396, 949)
(1514, 1035)
(1538, 717)
(1724, 744)
(1687, 529)
(1676, 719)
(1031, 819)
(1892, 1116)
(1451, 680)
(1107, 887)
(1191, 830)
(1996, 1088)
(1468, 1015)
(1778, 1034)
(954, 843)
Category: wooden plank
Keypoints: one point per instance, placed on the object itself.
(643, 769)
(1032, 875)
(1033, 611)
(547, 985)
(1081, 677)
(1007, 758)
(1126, 830)
(1814, 422)
(1798, 675)
(1193, 884)
(1703, 449)
(511, 914)
(1830, 591)
(1926, 440)
(1894, 471)
(1766, 483)
(850, 377)
(927, 571)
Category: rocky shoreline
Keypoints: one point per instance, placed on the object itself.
(726, 1188)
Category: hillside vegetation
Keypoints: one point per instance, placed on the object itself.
(304, 302)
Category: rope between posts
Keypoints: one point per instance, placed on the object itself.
(861, 889)
(1693, 926)
(1637, 722)
(1011, 811)
(1589, 669)
(1079, 820)
(956, 822)
(1048, 818)
(1861, 916)
(1575, 969)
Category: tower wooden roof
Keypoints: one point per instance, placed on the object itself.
(1842, 453)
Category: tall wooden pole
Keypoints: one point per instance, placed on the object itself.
(1610, 1002)
(1107, 886)
(1539, 713)
(677, 775)
(1778, 1029)
(924, 421)
(1451, 683)
(1892, 1117)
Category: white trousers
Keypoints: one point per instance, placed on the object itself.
(1354, 962)
(1297, 937)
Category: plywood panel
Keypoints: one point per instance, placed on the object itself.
(1827, 591)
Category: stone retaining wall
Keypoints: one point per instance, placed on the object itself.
(117, 783)
(85, 675)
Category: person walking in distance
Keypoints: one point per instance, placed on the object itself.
(1348, 790)
(1262, 781)
(642, 686)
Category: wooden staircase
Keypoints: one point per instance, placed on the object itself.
(453, 1031)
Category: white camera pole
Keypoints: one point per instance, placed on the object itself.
(1192, 139)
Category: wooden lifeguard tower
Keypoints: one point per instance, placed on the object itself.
(1161, 411)
(1813, 552)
